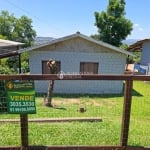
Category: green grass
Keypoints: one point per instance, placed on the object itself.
(139, 133)
(108, 107)
(67, 106)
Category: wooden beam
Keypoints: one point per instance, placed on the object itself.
(126, 113)
(24, 131)
(74, 77)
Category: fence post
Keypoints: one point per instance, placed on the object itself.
(24, 131)
(23, 121)
(126, 112)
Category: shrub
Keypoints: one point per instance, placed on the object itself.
(6, 70)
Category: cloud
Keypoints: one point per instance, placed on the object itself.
(137, 27)
(138, 32)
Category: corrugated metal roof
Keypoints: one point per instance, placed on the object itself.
(7, 48)
(6, 43)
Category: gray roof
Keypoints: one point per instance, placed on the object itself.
(109, 46)
(7, 48)
(7, 43)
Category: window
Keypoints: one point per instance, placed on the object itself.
(88, 68)
(45, 69)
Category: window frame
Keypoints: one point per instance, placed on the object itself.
(83, 70)
(44, 64)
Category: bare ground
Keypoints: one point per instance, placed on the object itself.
(77, 101)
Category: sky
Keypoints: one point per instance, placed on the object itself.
(58, 18)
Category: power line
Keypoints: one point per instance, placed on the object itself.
(29, 13)
(22, 9)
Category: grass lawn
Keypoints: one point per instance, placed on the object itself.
(107, 132)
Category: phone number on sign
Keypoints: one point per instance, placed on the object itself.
(22, 104)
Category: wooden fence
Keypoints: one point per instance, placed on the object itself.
(125, 117)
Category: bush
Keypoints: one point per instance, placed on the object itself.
(25, 66)
(6, 70)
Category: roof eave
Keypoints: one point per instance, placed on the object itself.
(5, 55)
(10, 43)
(137, 45)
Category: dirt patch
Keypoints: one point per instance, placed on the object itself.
(77, 101)
(95, 103)
(67, 101)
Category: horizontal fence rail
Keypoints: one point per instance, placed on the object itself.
(74, 77)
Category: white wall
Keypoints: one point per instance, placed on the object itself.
(109, 63)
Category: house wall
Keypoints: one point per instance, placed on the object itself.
(145, 58)
(71, 53)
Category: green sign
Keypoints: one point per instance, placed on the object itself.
(21, 97)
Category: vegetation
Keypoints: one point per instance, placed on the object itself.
(137, 59)
(52, 66)
(10, 65)
(16, 29)
(107, 132)
(112, 25)
(130, 59)
(4, 68)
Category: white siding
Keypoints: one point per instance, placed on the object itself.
(109, 63)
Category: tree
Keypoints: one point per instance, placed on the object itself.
(112, 25)
(23, 31)
(16, 29)
(20, 30)
(51, 64)
(25, 61)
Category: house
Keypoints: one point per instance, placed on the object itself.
(143, 67)
(78, 54)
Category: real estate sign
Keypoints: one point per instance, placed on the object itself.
(21, 97)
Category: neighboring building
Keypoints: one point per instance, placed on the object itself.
(9, 48)
(143, 66)
(76, 54)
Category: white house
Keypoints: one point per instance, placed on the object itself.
(144, 47)
(77, 54)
